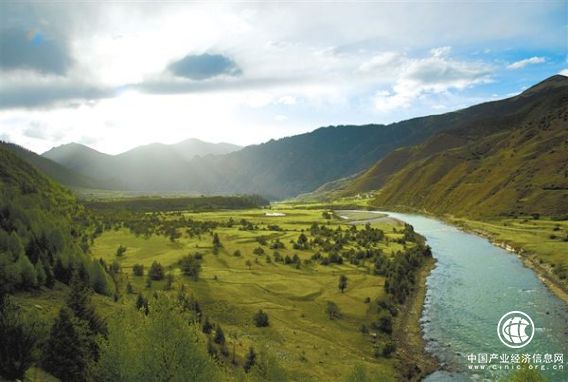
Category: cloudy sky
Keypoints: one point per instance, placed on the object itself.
(120, 74)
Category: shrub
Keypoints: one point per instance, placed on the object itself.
(138, 269)
(260, 319)
(156, 271)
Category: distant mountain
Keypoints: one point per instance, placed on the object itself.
(192, 147)
(276, 169)
(51, 168)
(153, 167)
(506, 157)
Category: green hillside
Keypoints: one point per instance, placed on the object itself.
(41, 239)
(507, 157)
(53, 169)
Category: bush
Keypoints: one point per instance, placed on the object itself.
(138, 269)
(120, 251)
(190, 267)
(156, 271)
(388, 349)
(260, 319)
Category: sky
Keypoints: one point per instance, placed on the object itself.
(115, 75)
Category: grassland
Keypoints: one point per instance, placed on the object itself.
(308, 344)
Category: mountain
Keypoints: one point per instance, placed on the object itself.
(276, 169)
(82, 159)
(153, 167)
(51, 168)
(194, 147)
(508, 157)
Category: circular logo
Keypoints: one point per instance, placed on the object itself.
(515, 329)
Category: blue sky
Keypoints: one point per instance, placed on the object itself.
(117, 75)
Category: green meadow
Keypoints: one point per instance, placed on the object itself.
(305, 341)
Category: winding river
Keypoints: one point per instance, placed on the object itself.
(473, 284)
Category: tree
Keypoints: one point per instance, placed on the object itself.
(384, 324)
(156, 271)
(248, 264)
(190, 267)
(142, 303)
(267, 368)
(332, 310)
(169, 281)
(342, 283)
(260, 319)
(67, 353)
(207, 326)
(216, 241)
(79, 301)
(250, 360)
(219, 335)
(388, 349)
(159, 347)
(120, 251)
(18, 340)
(138, 269)
(259, 251)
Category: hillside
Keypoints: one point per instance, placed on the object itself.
(51, 168)
(40, 231)
(508, 157)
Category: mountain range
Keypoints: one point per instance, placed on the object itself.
(503, 157)
(276, 169)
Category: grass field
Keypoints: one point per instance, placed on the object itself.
(308, 344)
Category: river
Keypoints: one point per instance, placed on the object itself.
(472, 286)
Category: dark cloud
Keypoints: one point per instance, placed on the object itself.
(204, 66)
(33, 50)
(35, 96)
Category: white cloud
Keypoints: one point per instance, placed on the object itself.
(527, 61)
(343, 68)
(442, 51)
(287, 100)
(382, 61)
(564, 72)
(437, 73)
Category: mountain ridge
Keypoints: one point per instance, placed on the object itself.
(507, 164)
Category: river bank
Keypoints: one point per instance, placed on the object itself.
(415, 361)
(529, 260)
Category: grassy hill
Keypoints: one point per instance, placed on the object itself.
(508, 157)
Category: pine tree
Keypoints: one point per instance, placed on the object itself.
(18, 339)
(219, 335)
(67, 353)
(250, 360)
(342, 283)
(79, 301)
(207, 327)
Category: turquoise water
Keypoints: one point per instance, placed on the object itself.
(473, 284)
